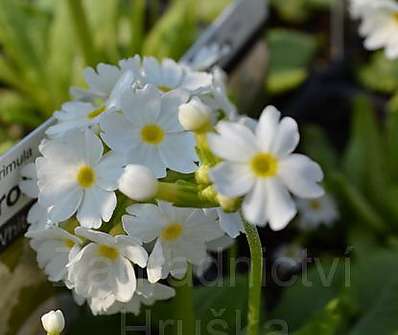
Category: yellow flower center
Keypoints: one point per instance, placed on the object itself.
(108, 252)
(69, 244)
(86, 176)
(264, 165)
(152, 134)
(96, 112)
(315, 204)
(164, 88)
(171, 232)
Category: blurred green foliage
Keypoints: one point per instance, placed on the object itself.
(43, 47)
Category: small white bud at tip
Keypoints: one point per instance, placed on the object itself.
(138, 183)
(53, 322)
(194, 115)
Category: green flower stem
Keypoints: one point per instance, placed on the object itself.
(205, 154)
(183, 310)
(255, 279)
(83, 33)
(183, 194)
(232, 256)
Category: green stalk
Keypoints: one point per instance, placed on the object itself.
(82, 30)
(255, 279)
(137, 25)
(183, 310)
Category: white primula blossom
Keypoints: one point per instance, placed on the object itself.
(168, 75)
(107, 81)
(37, 215)
(148, 132)
(53, 322)
(314, 212)
(75, 115)
(145, 294)
(230, 223)
(379, 24)
(104, 268)
(54, 247)
(260, 166)
(181, 235)
(138, 183)
(75, 176)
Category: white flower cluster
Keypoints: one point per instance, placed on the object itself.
(379, 24)
(139, 171)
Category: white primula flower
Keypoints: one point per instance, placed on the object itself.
(181, 235)
(76, 115)
(145, 294)
(75, 176)
(261, 167)
(53, 322)
(169, 75)
(148, 132)
(37, 215)
(54, 247)
(104, 268)
(314, 212)
(138, 183)
(379, 24)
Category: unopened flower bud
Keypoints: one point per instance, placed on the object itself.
(138, 183)
(195, 115)
(53, 322)
(228, 204)
(202, 175)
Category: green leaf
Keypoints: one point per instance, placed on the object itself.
(392, 137)
(291, 52)
(381, 74)
(14, 108)
(317, 146)
(174, 32)
(321, 283)
(326, 322)
(103, 19)
(365, 158)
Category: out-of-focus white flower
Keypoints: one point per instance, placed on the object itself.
(149, 133)
(145, 294)
(261, 167)
(181, 235)
(314, 212)
(290, 256)
(167, 75)
(54, 247)
(104, 269)
(138, 183)
(38, 219)
(195, 115)
(75, 176)
(379, 24)
(53, 322)
(75, 115)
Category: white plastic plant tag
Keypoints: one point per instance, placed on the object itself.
(217, 45)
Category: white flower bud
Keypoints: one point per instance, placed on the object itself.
(194, 115)
(53, 322)
(138, 183)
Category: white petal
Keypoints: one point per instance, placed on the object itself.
(178, 152)
(109, 170)
(65, 207)
(281, 208)
(235, 142)
(301, 175)
(116, 131)
(125, 280)
(255, 204)
(232, 179)
(231, 223)
(286, 138)
(155, 263)
(267, 128)
(148, 155)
